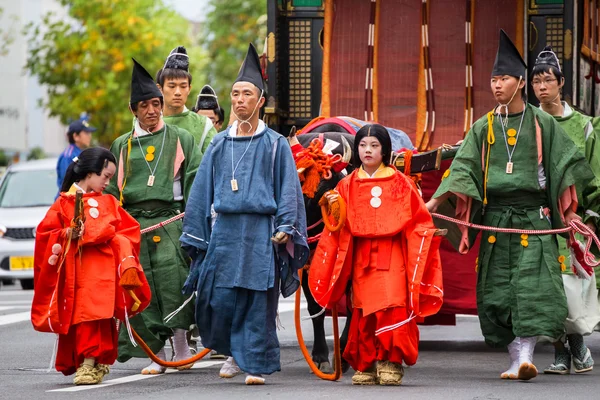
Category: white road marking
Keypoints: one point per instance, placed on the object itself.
(14, 318)
(7, 302)
(16, 293)
(132, 378)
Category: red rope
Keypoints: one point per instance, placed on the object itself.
(574, 225)
(161, 224)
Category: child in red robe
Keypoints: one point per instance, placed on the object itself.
(388, 250)
(87, 274)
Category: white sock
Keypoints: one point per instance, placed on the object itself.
(154, 366)
(527, 348)
(513, 351)
(180, 345)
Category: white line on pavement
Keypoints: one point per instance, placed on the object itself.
(132, 378)
(14, 318)
(13, 293)
(6, 302)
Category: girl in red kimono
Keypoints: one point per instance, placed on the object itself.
(387, 248)
(87, 274)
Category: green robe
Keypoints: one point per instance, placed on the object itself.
(196, 125)
(165, 264)
(519, 286)
(580, 129)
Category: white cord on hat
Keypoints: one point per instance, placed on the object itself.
(554, 55)
(174, 54)
(208, 95)
(505, 106)
(247, 121)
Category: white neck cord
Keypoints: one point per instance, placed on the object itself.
(552, 101)
(241, 158)
(505, 106)
(247, 121)
(510, 153)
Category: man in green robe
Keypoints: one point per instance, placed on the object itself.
(175, 83)
(582, 294)
(516, 169)
(157, 163)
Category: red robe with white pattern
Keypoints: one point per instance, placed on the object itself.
(388, 249)
(85, 286)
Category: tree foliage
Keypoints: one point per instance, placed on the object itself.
(85, 60)
(37, 153)
(3, 159)
(229, 27)
(7, 32)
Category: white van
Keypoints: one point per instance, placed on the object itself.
(27, 190)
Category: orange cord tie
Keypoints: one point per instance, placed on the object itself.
(316, 165)
(163, 363)
(335, 211)
(337, 363)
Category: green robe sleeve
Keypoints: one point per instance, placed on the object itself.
(563, 163)
(209, 137)
(112, 187)
(193, 156)
(465, 175)
(592, 193)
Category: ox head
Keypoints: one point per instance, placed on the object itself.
(320, 164)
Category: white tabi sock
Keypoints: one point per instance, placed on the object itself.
(513, 351)
(154, 368)
(181, 348)
(526, 368)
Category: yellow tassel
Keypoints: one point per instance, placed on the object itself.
(563, 267)
(130, 280)
(127, 167)
(491, 139)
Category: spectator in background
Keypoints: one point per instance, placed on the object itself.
(207, 104)
(175, 82)
(80, 138)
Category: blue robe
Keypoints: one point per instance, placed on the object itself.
(238, 270)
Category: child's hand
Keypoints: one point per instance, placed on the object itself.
(75, 233)
(332, 196)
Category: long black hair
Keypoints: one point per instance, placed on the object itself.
(92, 160)
(380, 133)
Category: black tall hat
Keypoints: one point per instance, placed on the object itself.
(207, 99)
(250, 70)
(142, 85)
(548, 57)
(178, 59)
(508, 59)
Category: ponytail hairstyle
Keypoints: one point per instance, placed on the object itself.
(92, 160)
(381, 134)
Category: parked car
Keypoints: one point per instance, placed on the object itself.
(27, 190)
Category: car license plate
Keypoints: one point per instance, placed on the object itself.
(21, 263)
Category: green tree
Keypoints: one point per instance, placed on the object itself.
(3, 158)
(37, 153)
(229, 27)
(85, 60)
(7, 32)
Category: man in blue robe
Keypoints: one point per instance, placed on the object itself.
(245, 229)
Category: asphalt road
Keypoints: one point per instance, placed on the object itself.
(454, 363)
